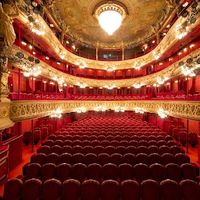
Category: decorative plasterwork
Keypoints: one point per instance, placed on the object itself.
(21, 110)
(144, 20)
(50, 72)
(5, 121)
(49, 38)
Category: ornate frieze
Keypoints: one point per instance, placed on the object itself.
(50, 72)
(21, 110)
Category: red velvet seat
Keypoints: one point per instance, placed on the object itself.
(65, 158)
(141, 172)
(98, 149)
(164, 149)
(52, 158)
(109, 150)
(121, 150)
(125, 171)
(129, 158)
(31, 189)
(153, 149)
(71, 190)
(48, 171)
(154, 158)
(168, 158)
(48, 143)
(173, 171)
(51, 189)
(110, 171)
(158, 172)
(32, 171)
(63, 171)
(44, 149)
(39, 158)
(130, 189)
(13, 189)
(78, 158)
(90, 158)
(142, 149)
(94, 171)
(142, 158)
(90, 190)
(79, 171)
(67, 149)
(131, 149)
(170, 190)
(182, 158)
(103, 158)
(77, 149)
(150, 190)
(110, 190)
(189, 171)
(116, 158)
(87, 149)
(59, 143)
(56, 149)
(190, 190)
(175, 149)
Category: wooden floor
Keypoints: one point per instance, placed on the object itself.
(27, 153)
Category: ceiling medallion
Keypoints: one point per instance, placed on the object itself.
(110, 15)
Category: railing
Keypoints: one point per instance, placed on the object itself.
(61, 96)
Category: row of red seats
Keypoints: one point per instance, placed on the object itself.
(120, 172)
(71, 189)
(105, 143)
(111, 131)
(104, 158)
(110, 149)
(110, 138)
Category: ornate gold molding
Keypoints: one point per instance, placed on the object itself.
(5, 121)
(21, 110)
(49, 38)
(50, 72)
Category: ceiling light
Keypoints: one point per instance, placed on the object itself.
(185, 49)
(168, 26)
(51, 25)
(192, 45)
(139, 110)
(73, 47)
(47, 58)
(35, 71)
(100, 109)
(182, 31)
(110, 69)
(56, 113)
(23, 43)
(110, 16)
(80, 110)
(138, 85)
(119, 109)
(185, 4)
(162, 113)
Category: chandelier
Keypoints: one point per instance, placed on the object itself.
(110, 15)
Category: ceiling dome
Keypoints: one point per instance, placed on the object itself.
(143, 18)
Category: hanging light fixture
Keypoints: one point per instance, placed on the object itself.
(110, 15)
